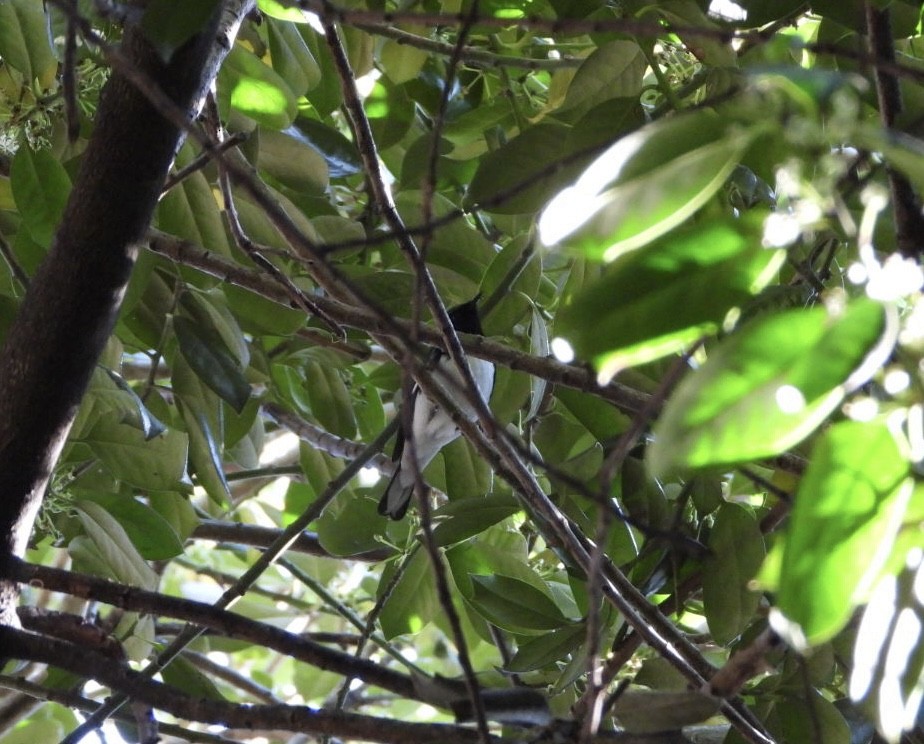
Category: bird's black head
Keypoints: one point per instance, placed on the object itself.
(465, 317)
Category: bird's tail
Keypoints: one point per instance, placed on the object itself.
(397, 497)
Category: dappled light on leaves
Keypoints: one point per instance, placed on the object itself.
(690, 235)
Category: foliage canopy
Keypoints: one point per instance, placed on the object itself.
(713, 206)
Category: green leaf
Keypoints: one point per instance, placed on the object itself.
(212, 361)
(649, 712)
(455, 247)
(258, 315)
(401, 62)
(350, 525)
(846, 515)
(254, 89)
(115, 547)
(181, 674)
(646, 184)
(330, 400)
(25, 40)
(205, 456)
(276, 9)
(413, 601)
(460, 520)
(604, 422)
(110, 393)
(168, 24)
(614, 70)
(156, 465)
(515, 605)
(291, 161)
(548, 649)
(189, 211)
(466, 475)
(176, 509)
(796, 718)
(155, 539)
(292, 58)
(768, 386)
(41, 187)
(629, 316)
(515, 178)
(736, 550)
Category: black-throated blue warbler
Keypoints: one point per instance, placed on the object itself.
(433, 427)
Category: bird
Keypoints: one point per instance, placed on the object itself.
(432, 427)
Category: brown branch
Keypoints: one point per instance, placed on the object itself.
(262, 537)
(323, 440)
(221, 621)
(468, 55)
(70, 308)
(86, 663)
(906, 206)
(237, 590)
(580, 378)
(77, 702)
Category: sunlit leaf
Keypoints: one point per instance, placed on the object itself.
(256, 90)
(630, 316)
(769, 385)
(292, 58)
(846, 515)
(646, 184)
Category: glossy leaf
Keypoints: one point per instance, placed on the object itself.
(848, 511)
(212, 361)
(515, 605)
(630, 315)
(205, 456)
(768, 386)
(254, 89)
(645, 185)
(276, 9)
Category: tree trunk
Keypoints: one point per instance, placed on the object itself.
(72, 303)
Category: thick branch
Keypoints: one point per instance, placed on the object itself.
(70, 308)
(20, 644)
(225, 623)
